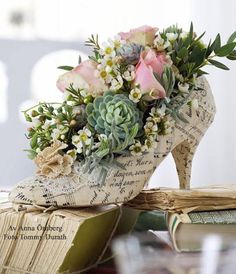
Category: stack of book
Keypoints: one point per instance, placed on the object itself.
(191, 215)
(58, 241)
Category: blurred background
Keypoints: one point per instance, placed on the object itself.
(36, 36)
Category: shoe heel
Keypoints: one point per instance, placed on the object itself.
(183, 156)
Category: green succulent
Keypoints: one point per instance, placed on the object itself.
(130, 53)
(113, 114)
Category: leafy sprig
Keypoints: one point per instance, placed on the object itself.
(49, 116)
(94, 44)
(190, 55)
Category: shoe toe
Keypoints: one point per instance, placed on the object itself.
(23, 192)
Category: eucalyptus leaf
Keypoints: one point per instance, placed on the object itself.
(232, 55)
(199, 37)
(218, 64)
(68, 68)
(225, 50)
(216, 44)
(191, 31)
(201, 72)
(232, 38)
(209, 49)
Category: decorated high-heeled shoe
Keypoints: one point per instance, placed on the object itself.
(139, 97)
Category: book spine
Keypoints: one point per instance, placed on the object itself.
(213, 217)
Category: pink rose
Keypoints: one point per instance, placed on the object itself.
(149, 63)
(144, 35)
(156, 60)
(82, 77)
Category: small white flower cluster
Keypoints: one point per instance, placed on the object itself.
(83, 138)
(162, 44)
(151, 131)
(160, 116)
(137, 149)
(129, 74)
(59, 132)
(135, 95)
(108, 68)
(150, 127)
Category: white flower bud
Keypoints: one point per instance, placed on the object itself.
(171, 36)
(183, 87)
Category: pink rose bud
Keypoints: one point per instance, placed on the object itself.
(149, 63)
(156, 61)
(82, 77)
(144, 35)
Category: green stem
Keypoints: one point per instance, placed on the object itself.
(40, 104)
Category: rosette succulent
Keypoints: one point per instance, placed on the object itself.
(130, 53)
(113, 114)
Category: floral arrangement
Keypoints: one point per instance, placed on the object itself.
(121, 98)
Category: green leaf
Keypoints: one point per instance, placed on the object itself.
(225, 50)
(199, 37)
(209, 49)
(232, 55)
(68, 68)
(201, 72)
(31, 153)
(197, 56)
(191, 30)
(168, 80)
(182, 53)
(134, 131)
(232, 38)
(165, 81)
(218, 64)
(102, 153)
(93, 59)
(216, 44)
(33, 142)
(187, 68)
(188, 41)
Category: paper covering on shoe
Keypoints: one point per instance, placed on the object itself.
(79, 189)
